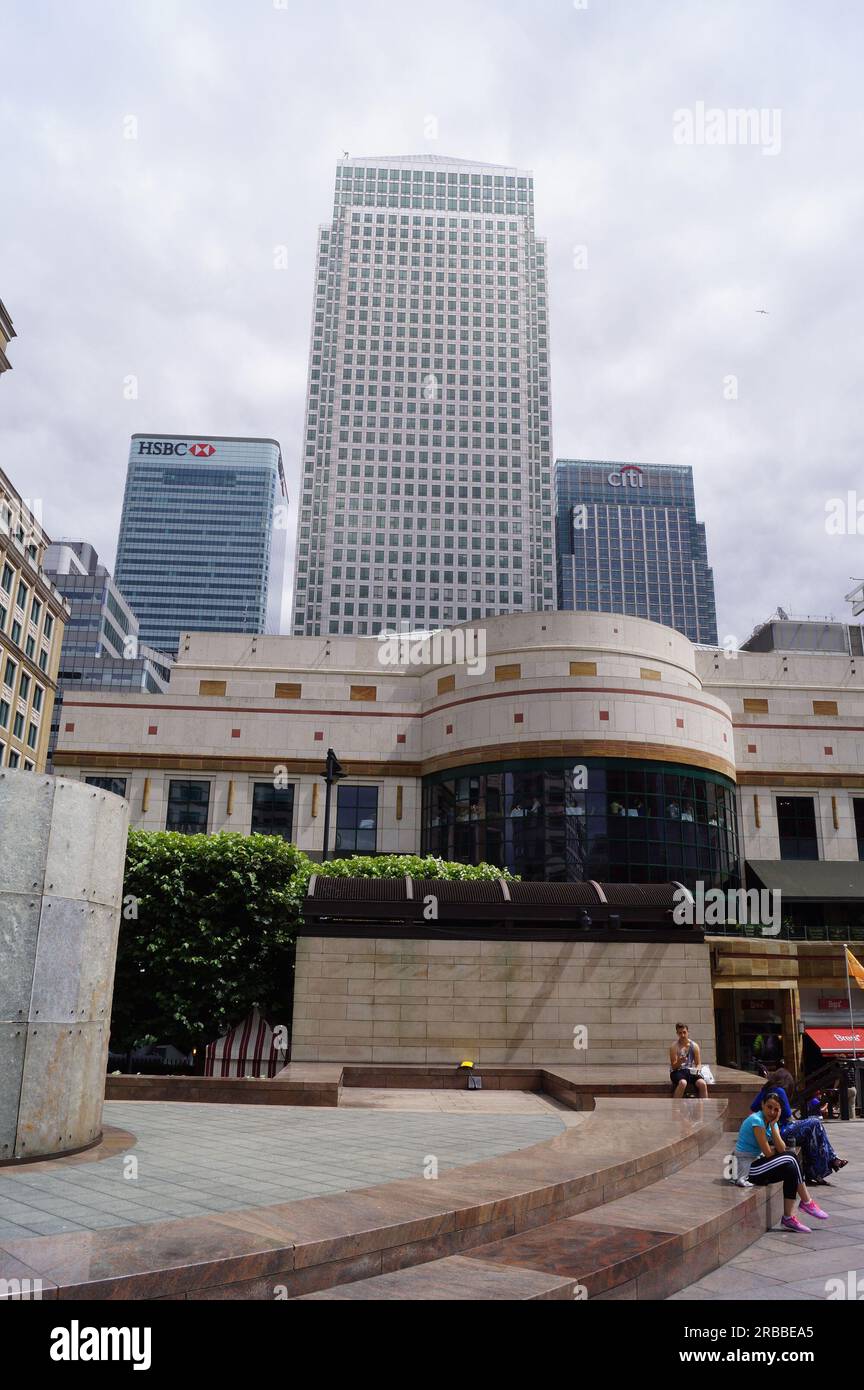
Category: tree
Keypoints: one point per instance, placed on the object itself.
(209, 925)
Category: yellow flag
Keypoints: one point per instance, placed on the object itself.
(855, 968)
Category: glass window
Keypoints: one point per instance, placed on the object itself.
(188, 805)
(629, 824)
(357, 820)
(796, 827)
(272, 810)
(117, 785)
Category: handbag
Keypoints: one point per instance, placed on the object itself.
(707, 1075)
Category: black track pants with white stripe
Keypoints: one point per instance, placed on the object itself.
(782, 1168)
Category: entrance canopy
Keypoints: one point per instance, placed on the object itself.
(833, 1040)
(820, 880)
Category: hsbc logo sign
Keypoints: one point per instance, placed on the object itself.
(168, 448)
(628, 476)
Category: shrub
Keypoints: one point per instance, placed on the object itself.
(209, 928)
(410, 865)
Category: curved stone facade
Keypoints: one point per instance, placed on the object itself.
(582, 687)
(62, 852)
(575, 685)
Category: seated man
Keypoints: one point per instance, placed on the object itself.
(685, 1061)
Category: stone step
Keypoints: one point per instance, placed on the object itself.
(645, 1244)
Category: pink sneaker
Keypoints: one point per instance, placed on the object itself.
(812, 1210)
(791, 1223)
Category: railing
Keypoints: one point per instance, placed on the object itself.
(790, 932)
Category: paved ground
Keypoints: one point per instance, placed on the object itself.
(194, 1159)
(783, 1266)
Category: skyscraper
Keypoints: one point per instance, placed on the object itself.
(427, 495)
(628, 541)
(202, 536)
(100, 649)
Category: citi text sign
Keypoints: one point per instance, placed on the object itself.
(628, 476)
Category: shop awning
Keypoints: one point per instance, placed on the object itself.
(831, 881)
(837, 1039)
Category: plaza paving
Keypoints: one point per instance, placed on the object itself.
(782, 1266)
(192, 1160)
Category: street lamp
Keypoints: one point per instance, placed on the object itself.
(333, 772)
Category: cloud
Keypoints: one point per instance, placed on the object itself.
(156, 156)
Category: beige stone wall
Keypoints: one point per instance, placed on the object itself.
(380, 1000)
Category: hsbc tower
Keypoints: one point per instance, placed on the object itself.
(202, 536)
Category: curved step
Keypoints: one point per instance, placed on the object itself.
(647, 1244)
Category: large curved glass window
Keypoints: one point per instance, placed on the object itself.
(625, 821)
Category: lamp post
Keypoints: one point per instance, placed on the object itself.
(333, 772)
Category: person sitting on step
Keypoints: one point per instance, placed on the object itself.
(685, 1060)
(818, 1158)
(761, 1159)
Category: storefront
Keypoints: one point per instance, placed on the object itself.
(755, 1026)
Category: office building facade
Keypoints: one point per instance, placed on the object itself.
(694, 767)
(101, 647)
(7, 333)
(202, 536)
(427, 454)
(33, 614)
(628, 541)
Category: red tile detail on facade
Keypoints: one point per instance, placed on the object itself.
(518, 719)
(319, 738)
(153, 729)
(604, 715)
(400, 738)
(69, 728)
(235, 733)
(751, 747)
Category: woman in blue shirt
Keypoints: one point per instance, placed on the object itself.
(817, 1156)
(761, 1159)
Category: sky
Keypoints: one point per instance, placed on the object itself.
(165, 165)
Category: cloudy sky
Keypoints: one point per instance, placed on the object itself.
(152, 257)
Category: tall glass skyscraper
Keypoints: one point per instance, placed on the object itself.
(427, 495)
(202, 536)
(629, 542)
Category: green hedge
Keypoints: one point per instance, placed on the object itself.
(410, 865)
(209, 925)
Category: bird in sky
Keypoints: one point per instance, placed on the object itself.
(763, 311)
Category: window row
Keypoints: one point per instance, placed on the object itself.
(188, 810)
